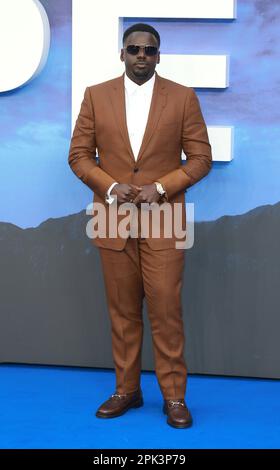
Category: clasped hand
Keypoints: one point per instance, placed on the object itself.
(137, 194)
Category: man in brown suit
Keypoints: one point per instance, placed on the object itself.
(140, 123)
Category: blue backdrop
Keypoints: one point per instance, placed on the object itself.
(35, 180)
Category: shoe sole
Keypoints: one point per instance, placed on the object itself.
(138, 404)
(180, 426)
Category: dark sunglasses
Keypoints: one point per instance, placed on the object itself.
(134, 49)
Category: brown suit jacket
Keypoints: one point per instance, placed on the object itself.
(175, 122)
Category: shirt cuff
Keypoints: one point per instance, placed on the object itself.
(110, 198)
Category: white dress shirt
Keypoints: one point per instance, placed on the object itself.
(137, 103)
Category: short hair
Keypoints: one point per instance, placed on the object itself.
(141, 27)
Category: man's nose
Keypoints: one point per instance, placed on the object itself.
(141, 52)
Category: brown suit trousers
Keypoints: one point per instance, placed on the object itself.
(129, 275)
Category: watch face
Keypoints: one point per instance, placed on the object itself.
(160, 189)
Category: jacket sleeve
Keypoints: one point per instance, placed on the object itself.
(82, 152)
(196, 146)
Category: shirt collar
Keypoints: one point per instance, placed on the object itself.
(131, 86)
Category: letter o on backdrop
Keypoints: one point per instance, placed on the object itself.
(24, 42)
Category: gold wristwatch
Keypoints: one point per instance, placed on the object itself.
(160, 189)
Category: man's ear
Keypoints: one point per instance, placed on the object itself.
(158, 61)
(121, 56)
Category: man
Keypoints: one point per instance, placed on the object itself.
(140, 123)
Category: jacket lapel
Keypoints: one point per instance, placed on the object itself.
(158, 101)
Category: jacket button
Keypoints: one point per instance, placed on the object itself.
(135, 170)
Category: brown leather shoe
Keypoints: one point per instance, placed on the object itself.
(118, 404)
(178, 414)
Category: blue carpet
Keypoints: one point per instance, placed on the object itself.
(53, 407)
